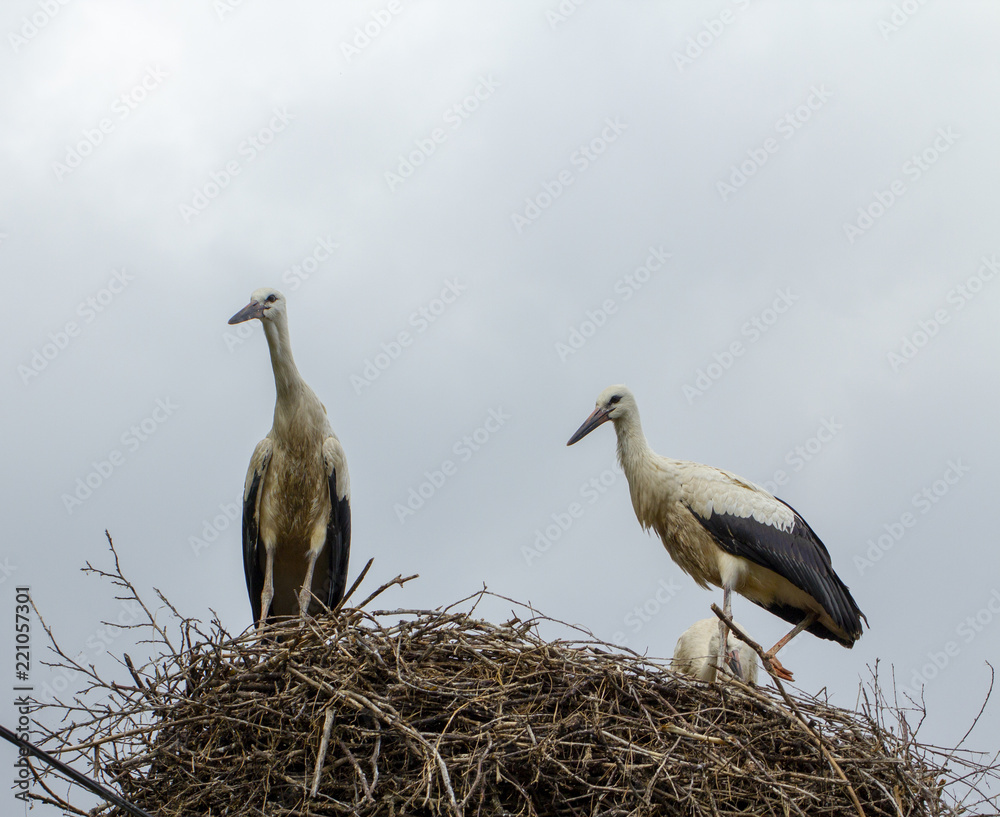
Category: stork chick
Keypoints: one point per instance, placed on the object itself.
(698, 648)
(296, 498)
(723, 530)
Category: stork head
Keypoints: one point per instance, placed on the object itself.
(734, 661)
(614, 403)
(266, 305)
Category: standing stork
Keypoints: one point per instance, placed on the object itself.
(296, 499)
(722, 530)
(698, 648)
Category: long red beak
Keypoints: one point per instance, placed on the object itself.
(251, 310)
(599, 416)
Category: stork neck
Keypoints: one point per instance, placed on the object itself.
(287, 380)
(633, 449)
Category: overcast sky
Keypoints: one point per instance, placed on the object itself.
(775, 222)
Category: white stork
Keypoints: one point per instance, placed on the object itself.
(698, 648)
(723, 530)
(296, 499)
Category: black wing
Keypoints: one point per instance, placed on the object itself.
(338, 529)
(252, 548)
(796, 555)
(251, 552)
(338, 544)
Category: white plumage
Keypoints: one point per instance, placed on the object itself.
(296, 498)
(725, 531)
(698, 648)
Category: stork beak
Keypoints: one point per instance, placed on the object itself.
(735, 665)
(250, 311)
(599, 416)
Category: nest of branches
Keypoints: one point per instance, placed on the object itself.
(438, 712)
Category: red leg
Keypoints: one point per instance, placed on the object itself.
(776, 667)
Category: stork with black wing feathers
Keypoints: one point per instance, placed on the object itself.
(296, 499)
(723, 530)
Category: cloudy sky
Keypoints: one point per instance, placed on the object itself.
(776, 222)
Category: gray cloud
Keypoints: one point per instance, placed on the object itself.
(259, 113)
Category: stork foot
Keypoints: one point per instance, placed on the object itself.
(774, 666)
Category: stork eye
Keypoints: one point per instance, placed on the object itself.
(271, 298)
(614, 399)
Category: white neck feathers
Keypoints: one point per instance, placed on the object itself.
(287, 380)
(633, 449)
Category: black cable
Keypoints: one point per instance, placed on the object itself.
(80, 779)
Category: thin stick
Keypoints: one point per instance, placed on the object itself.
(321, 757)
(357, 581)
(400, 580)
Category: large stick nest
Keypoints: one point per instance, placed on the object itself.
(440, 713)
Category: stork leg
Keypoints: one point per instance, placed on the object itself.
(267, 594)
(727, 608)
(776, 666)
(305, 594)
